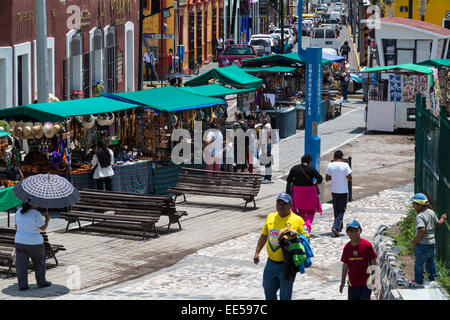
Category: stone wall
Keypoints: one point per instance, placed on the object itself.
(391, 275)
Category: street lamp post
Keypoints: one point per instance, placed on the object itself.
(41, 51)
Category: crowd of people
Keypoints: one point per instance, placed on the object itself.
(225, 154)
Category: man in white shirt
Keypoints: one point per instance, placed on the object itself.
(150, 61)
(213, 150)
(339, 173)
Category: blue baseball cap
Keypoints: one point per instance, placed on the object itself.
(419, 198)
(354, 224)
(285, 197)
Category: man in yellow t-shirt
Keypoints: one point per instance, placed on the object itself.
(284, 218)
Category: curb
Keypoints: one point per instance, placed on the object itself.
(354, 48)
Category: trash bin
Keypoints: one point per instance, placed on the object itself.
(300, 118)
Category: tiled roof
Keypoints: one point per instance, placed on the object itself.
(418, 25)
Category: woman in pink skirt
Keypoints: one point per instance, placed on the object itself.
(301, 185)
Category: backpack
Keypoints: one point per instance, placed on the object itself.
(308, 252)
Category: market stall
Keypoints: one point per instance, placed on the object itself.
(60, 137)
(284, 86)
(392, 95)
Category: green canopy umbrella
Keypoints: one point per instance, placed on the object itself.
(232, 75)
(167, 99)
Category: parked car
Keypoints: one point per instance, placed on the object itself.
(235, 53)
(307, 27)
(324, 38)
(263, 47)
(287, 33)
(263, 36)
(294, 28)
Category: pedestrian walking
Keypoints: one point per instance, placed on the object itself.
(213, 148)
(345, 80)
(358, 253)
(220, 47)
(241, 155)
(345, 49)
(29, 243)
(424, 241)
(102, 163)
(266, 146)
(150, 61)
(170, 58)
(273, 277)
(301, 185)
(339, 173)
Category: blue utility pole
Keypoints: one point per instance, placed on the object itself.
(313, 106)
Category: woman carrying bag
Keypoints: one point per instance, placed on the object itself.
(302, 187)
(102, 162)
(29, 243)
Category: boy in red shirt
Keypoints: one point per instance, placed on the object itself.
(357, 255)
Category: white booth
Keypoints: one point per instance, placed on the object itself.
(401, 40)
(392, 95)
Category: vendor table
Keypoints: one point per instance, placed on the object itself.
(285, 120)
(134, 177)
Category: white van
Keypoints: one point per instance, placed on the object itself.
(335, 15)
(324, 38)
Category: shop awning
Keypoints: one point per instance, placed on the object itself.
(215, 90)
(167, 99)
(285, 59)
(435, 62)
(57, 111)
(270, 69)
(231, 75)
(331, 57)
(406, 66)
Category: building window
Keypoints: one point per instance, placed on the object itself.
(404, 9)
(22, 74)
(129, 56)
(97, 55)
(6, 84)
(74, 65)
(110, 59)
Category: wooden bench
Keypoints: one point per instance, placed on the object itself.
(166, 202)
(128, 209)
(220, 184)
(7, 244)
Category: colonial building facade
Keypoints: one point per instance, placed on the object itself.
(92, 49)
(194, 24)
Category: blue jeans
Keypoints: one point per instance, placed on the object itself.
(425, 254)
(359, 293)
(273, 280)
(345, 89)
(339, 206)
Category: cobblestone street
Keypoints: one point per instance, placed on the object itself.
(227, 271)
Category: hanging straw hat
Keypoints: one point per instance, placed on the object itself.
(105, 119)
(19, 130)
(88, 121)
(4, 125)
(28, 130)
(48, 130)
(52, 98)
(12, 125)
(38, 130)
(58, 128)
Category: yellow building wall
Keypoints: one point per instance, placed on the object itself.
(435, 12)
